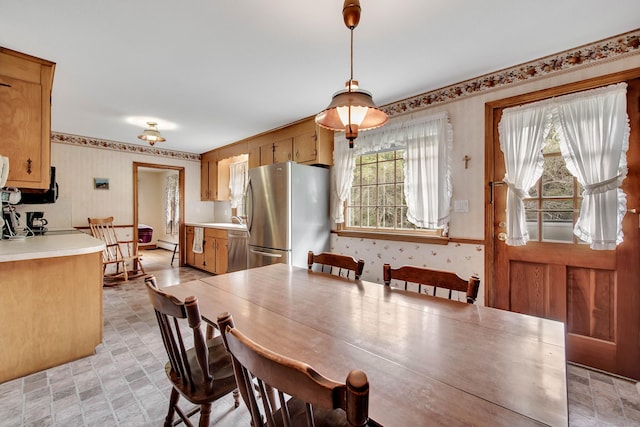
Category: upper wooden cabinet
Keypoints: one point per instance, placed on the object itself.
(276, 152)
(209, 176)
(25, 118)
(301, 142)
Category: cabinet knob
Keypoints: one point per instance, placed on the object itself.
(29, 166)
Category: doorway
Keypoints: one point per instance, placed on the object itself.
(140, 170)
(594, 293)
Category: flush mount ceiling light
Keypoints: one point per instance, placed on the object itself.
(352, 109)
(151, 134)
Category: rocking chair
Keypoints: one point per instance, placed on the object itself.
(117, 252)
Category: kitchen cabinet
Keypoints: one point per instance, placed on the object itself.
(51, 303)
(25, 109)
(209, 176)
(214, 257)
(276, 152)
(302, 142)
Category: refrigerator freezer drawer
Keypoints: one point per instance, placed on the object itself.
(259, 257)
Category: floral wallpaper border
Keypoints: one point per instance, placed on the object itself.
(614, 47)
(64, 138)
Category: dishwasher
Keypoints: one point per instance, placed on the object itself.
(237, 246)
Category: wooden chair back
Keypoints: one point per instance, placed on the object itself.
(435, 278)
(116, 252)
(283, 391)
(342, 262)
(202, 373)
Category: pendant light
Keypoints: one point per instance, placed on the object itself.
(151, 134)
(352, 109)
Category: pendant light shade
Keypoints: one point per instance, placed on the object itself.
(352, 109)
(151, 134)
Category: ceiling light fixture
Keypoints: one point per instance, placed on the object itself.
(151, 134)
(352, 109)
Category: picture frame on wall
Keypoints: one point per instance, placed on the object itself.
(101, 183)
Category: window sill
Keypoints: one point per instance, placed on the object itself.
(400, 237)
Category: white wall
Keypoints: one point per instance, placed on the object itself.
(467, 118)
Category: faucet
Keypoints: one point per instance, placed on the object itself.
(236, 220)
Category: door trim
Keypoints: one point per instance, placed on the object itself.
(181, 232)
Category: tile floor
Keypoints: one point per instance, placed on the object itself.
(124, 383)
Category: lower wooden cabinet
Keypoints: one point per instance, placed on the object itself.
(214, 257)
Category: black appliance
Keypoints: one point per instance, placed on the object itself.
(37, 197)
(36, 223)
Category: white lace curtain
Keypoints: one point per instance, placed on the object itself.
(428, 142)
(427, 177)
(594, 130)
(237, 182)
(172, 205)
(521, 138)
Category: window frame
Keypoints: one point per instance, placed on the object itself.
(433, 235)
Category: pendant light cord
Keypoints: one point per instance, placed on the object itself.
(350, 82)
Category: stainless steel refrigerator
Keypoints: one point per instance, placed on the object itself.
(287, 213)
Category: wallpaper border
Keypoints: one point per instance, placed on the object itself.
(85, 141)
(625, 44)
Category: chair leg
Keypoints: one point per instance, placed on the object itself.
(236, 398)
(173, 401)
(205, 413)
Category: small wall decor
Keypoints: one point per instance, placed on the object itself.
(101, 183)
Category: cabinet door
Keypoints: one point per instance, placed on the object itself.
(208, 179)
(266, 154)
(25, 118)
(304, 148)
(222, 256)
(190, 256)
(204, 180)
(20, 132)
(282, 150)
(209, 251)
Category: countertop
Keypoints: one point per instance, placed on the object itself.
(49, 246)
(222, 225)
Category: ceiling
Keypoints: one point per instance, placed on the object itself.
(217, 71)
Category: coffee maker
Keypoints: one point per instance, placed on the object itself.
(36, 222)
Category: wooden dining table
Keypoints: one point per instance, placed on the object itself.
(430, 361)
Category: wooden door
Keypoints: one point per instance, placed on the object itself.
(222, 256)
(20, 130)
(209, 251)
(266, 154)
(304, 147)
(595, 293)
(282, 150)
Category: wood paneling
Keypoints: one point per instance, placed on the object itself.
(51, 312)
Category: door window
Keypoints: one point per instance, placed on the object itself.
(553, 206)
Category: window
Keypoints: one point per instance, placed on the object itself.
(376, 199)
(594, 137)
(397, 179)
(553, 206)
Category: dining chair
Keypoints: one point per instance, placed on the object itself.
(201, 374)
(117, 252)
(435, 278)
(342, 262)
(280, 391)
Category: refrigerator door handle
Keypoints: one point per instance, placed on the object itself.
(267, 254)
(249, 205)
